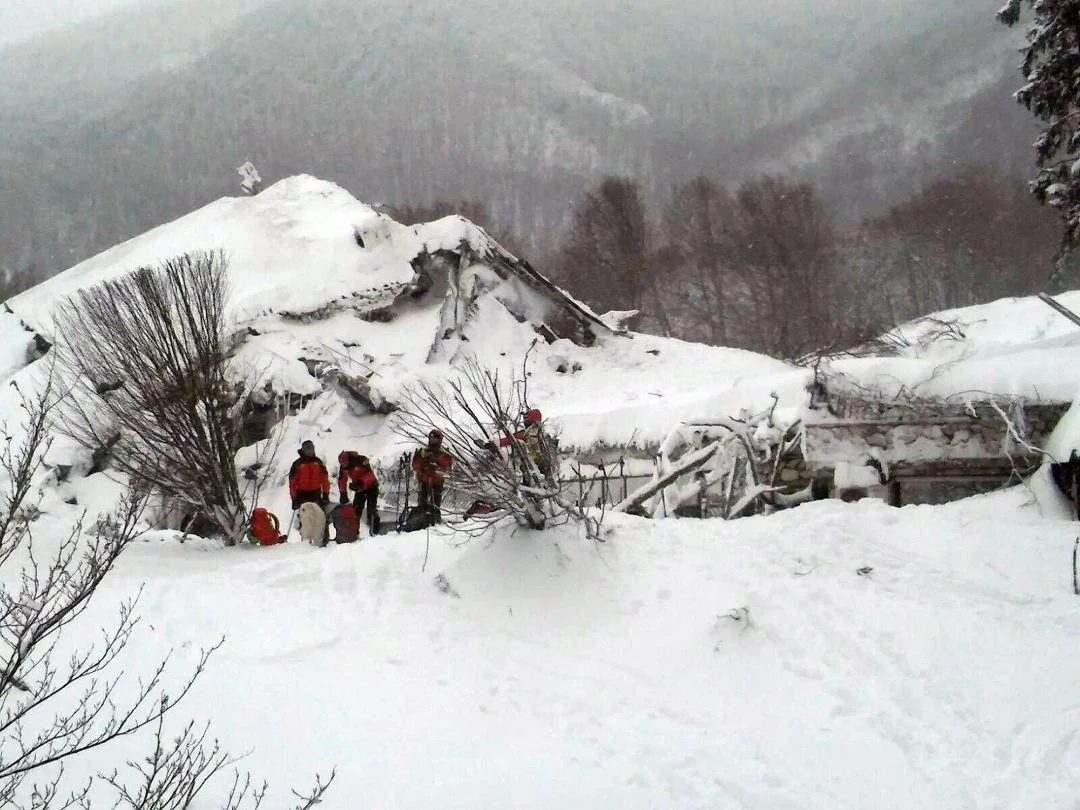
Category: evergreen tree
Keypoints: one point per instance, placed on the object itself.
(1051, 68)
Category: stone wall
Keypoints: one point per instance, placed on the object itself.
(933, 454)
(921, 443)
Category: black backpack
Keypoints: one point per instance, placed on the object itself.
(417, 518)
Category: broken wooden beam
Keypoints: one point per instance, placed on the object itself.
(1060, 308)
(687, 464)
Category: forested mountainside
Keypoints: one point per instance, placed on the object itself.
(127, 122)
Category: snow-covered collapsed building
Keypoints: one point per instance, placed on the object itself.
(923, 450)
(961, 402)
(947, 406)
(339, 309)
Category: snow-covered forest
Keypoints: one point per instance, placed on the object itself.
(651, 415)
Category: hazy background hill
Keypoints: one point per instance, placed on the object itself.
(135, 118)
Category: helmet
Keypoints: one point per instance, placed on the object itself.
(435, 436)
(343, 457)
(308, 447)
(362, 460)
(532, 416)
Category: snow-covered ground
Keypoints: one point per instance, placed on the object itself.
(831, 656)
(554, 672)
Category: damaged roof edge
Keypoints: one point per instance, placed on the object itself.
(496, 254)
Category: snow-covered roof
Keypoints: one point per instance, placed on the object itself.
(1013, 348)
(292, 247)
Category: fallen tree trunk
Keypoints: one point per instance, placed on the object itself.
(687, 464)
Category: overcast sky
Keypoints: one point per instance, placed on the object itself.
(21, 19)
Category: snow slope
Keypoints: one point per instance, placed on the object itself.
(553, 672)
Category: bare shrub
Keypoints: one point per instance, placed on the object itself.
(145, 357)
(57, 703)
(478, 411)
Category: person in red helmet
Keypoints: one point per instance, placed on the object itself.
(355, 473)
(532, 436)
(432, 464)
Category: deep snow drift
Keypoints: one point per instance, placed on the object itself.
(831, 656)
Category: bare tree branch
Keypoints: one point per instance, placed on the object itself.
(477, 412)
(55, 707)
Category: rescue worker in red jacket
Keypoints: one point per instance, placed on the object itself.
(355, 473)
(432, 464)
(309, 482)
(532, 436)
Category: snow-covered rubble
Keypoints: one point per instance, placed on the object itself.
(335, 301)
(1013, 347)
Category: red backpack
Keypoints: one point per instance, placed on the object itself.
(265, 528)
(346, 523)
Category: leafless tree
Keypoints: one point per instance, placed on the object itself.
(51, 711)
(56, 702)
(608, 258)
(762, 268)
(175, 772)
(971, 235)
(145, 357)
(477, 412)
(785, 258)
(699, 223)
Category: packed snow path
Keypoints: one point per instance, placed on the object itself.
(682, 664)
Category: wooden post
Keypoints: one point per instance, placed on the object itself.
(1060, 308)
(1076, 585)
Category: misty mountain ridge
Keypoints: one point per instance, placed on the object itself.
(520, 107)
(63, 73)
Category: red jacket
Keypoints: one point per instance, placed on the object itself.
(506, 442)
(353, 476)
(532, 437)
(431, 466)
(308, 475)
